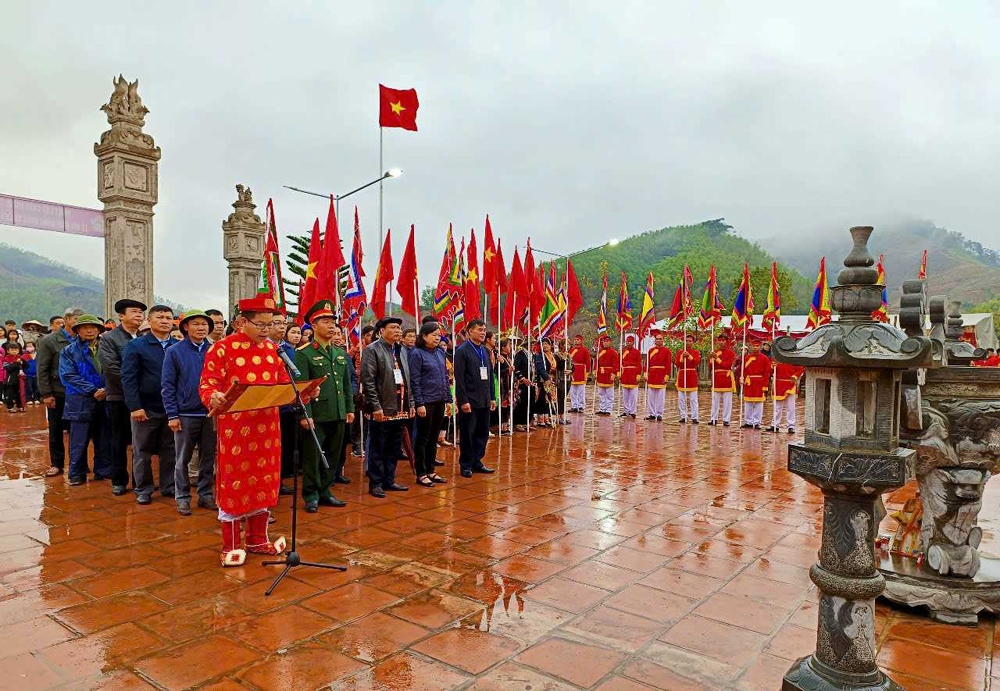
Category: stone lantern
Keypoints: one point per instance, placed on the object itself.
(851, 452)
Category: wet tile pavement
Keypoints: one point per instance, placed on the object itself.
(612, 555)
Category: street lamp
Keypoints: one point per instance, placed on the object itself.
(391, 173)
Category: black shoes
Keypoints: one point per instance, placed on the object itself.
(332, 501)
(772, 428)
(144, 499)
(312, 507)
(396, 487)
(119, 490)
(713, 423)
(791, 430)
(682, 420)
(659, 418)
(483, 469)
(356, 452)
(342, 480)
(466, 473)
(695, 421)
(184, 507)
(286, 491)
(74, 481)
(377, 492)
(725, 424)
(208, 503)
(438, 463)
(650, 417)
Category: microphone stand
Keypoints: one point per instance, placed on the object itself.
(292, 558)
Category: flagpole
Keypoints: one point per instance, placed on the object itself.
(621, 345)
(565, 353)
(743, 364)
(531, 382)
(511, 295)
(774, 373)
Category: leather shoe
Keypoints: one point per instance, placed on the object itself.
(377, 492)
(74, 481)
(396, 487)
(286, 491)
(438, 463)
(466, 473)
(332, 501)
(208, 503)
(483, 469)
(342, 480)
(144, 499)
(311, 507)
(118, 490)
(184, 507)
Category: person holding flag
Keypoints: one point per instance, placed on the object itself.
(688, 360)
(723, 382)
(608, 369)
(580, 357)
(756, 372)
(784, 394)
(631, 374)
(659, 364)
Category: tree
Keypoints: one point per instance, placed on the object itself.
(993, 307)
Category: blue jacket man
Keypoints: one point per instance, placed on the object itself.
(142, 374)
(80, 374)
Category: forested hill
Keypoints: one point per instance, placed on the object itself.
(33, 287)
(665, 252)
(957, 267)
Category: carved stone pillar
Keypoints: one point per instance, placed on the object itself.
(243, 247)
(127, 183)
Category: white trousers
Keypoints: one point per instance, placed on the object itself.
(606, 399)
(687, 404)
(578, 396)
(723, 400)
(788, 406)
(630, 400)
(753, 413)
(655, 399)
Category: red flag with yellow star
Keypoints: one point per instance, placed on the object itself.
(397, 108)
(489, 260)
(472, 307)
(307, 295)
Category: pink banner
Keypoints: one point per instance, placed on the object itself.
(32, 213)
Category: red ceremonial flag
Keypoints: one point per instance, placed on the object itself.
(677, 315)
(574, 297)
(537, 296)
(331, 258)
(922, 273)
(489, 260)
(472, 306)
(383, 274)
(307, 295)
(514, 291)
(408, 285)
(500, 286)
(528, 284)
(397, 108)
(359, 256)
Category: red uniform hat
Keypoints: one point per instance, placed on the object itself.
(258, 303)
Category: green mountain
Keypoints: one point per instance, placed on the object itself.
(957, 267)
(33, 287)
(665, 252)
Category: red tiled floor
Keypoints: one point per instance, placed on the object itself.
(612, 555)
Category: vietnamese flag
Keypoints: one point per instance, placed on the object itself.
(574, 297)
(331, 259)
(514, 291)
(397, 108)
(307, 295)
(472, 307)
(383, 274)
(489, 259)
(407, 285)
(500, 286)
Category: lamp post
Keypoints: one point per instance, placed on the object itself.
(391, 173)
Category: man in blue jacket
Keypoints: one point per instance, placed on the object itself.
(142, 372)
(186, 416)
(474, 395)
(80, 374)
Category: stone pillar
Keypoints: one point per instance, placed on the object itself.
(243, 247)
(851, 452)
(127, 183)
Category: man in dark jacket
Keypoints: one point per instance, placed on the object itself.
(130, 316)
(142, 372)
(474, 395)
(187, 418)
(385, 384)
(50, 388)
(80, 374)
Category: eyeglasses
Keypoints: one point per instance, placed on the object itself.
(266, 325)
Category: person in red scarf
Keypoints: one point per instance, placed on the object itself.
(688, 360)
(248, 454)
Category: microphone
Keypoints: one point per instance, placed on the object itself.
(289, 364)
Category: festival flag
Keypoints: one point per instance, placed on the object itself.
(529, 273)
(743, 304)
(513, 291)
(489, 259)
(882, 313)
(355, 297)
(500, 282)
(688, 282)
(408, 285)
(449, 265)
(574, 298)
(647, 314)
(602, 312)
(623, 319)
(819, 310)
(472, 306)
(397, 108)
(538, 298)
(772, 314)
(677, 317)
(711, 303)
(307, 294)
(458, 295)
(922, 274)
(331, 259)
(383, 274)
(270, 270)
(550, 316)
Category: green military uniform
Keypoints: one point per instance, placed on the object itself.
(328, 410)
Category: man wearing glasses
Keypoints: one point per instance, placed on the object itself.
(248, 455)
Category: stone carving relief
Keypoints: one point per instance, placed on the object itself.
(847, 633)
(136, 177)
(125, 100)
(109, 175)
(243, 194)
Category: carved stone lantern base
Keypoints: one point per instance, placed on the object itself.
(809, 674)
(948, 599)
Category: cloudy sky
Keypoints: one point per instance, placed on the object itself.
(569, 122)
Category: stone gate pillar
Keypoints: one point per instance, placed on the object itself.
(243, 247)
(127, 183)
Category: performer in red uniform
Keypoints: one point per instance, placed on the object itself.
(631, 374)
(784, 393)
(756, 372)
(660, 362)
(687, 381)
(608, 369)
(723, 383)
(580, 357)
(248, 456)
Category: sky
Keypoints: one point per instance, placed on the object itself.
(567, 122)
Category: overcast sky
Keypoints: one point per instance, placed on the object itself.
(570, 122)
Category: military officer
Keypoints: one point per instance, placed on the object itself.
(329, 413)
